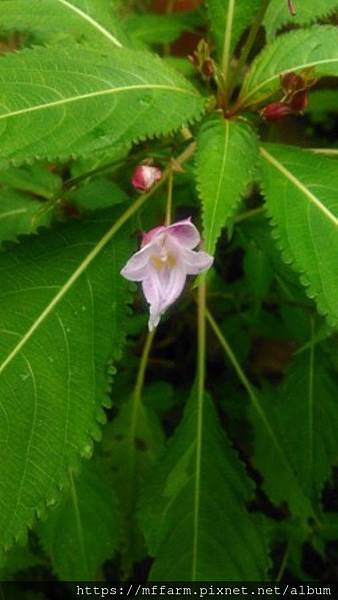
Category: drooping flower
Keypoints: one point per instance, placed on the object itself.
(275, 111)
(162, 264)
(145, 176)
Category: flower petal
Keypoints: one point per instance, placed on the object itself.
(173, 285)
(196, 262)
(151, 290)
(136, 268)
(185, 233)
(161, 289)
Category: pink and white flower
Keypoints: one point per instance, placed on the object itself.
(162, 264)
(145, 176)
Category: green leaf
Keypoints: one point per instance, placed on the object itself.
(229, 19)
(35, 179)
(160, 29)
(18, 559)
(301, 195)
(86, 21)
(133, 442)
(226, 160)
(304, 414)
(197, 503)
(19, 214)
(97, 194)
(316, 48)
(84, 530)
(258, 270)
(323, 101)
(57, 102)
(278, 14)
(63, 310)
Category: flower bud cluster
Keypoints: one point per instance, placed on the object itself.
(295, 87)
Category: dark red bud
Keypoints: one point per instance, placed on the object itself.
(291, 82)
(292, 8)
(275, 111)
(299, 101)
(208, 68)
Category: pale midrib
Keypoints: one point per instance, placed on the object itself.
(11, 213)
(199, 433)
(227, 38)
(244, 99)
(311, 404)
(215, 204)
(64, 289)
(78, 520)
(63, 101)
(298, 184)
(92, 22)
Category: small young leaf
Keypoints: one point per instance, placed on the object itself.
(63, 309)
(233, 16)
(19, 214)
(194, 510)
(84, 530)
(316, 48)
(278, 14)
(226, 160)
(57, 102)
(301, 195)
(35, 179)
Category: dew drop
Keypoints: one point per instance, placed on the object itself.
(24, 376)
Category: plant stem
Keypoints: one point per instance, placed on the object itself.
(241, 375)
(168, 214)
(227, 41)
(255, 27)
(137, 393)
(201, 353)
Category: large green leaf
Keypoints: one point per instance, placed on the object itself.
(84, 530)
(229, 19)
(316, 47)
(57, 102)
(63, 309)
(86, 21)
(304, 415)
(278, 14)
(226, 161)
(196, 504)
(301, 195)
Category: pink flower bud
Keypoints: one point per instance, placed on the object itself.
(275, 111)
(145, 176)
